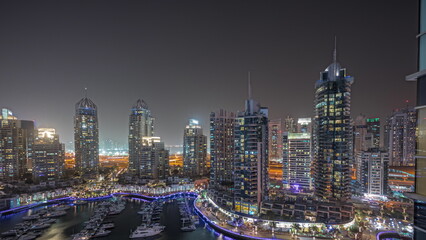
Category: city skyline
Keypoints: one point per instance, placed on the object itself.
(146, 62)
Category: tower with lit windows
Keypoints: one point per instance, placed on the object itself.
(141, 124)
(86, 137)
(251, 157)
(194, 150)
(333, 134)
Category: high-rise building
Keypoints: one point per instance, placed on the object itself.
(141, 124)
(222, 124)
(360, 134)
(275, 149)
(304, 125)
(373, 132)
(401, 128)
(153, 159)
(333, 133)
(194, 150)
(86, 137)
(48, 156)
(289, 124)
(251, 157)
(372, 171)
(420, 155)
(297, 161)
(221, 185)
(16, 142)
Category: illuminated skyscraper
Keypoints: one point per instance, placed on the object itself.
(251, 157)
(48, 156)
(373, 132)
(16, 141)
(372, 171)
(86, 137)
(275, 150)
(194, 150)
(289, 124)
(419, 196)
(153, 159)
(297, 161)
(141, 124)
(333, 133)
(401, 143)
(304, 125)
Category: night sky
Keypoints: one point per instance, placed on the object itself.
(188, 58)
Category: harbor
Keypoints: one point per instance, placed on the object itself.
(112, 218)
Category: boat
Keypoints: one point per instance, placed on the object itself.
(11, 232)
(107, 225)
(101, 233)
(31, 217)
(27, 236)
(147, 232)
(56, 214)
(40, 226)
(188, 228)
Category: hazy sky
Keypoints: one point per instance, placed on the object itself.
(187, 58)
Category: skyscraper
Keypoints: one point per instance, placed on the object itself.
(401, 130)
(297, 161)
(48, 156)
(304, 125)
(333, 133)
(86, 137)
(373, 131)
(289, 124)
(419, 196)
(275, 149)
(194, 150)
(251, 157)
(141, 124)
(221, 185)
(16, 141)
(372, 171)
(153, 159)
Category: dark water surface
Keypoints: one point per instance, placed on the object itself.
(124, 223)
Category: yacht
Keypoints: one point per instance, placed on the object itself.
(31, 217)
(188, 228)
(27, 236)
(146, 232)
(101, 233)
(107, 225)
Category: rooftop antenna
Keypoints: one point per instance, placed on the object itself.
(85, 92)
(335, 50)
(249, 86)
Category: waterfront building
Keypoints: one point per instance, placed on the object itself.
(48, 156)
(251, 157)
(221, 185)
(153, 159)
(401, 139)
(16, 142)
(333, 134)
(86, 137)
(297, 161)
(194, 150)
(373, 171)
(275, 141)
(419, 196)
(141, 124)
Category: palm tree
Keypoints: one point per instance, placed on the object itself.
(296, 227)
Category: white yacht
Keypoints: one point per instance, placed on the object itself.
(101, 233)
(145, 232)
